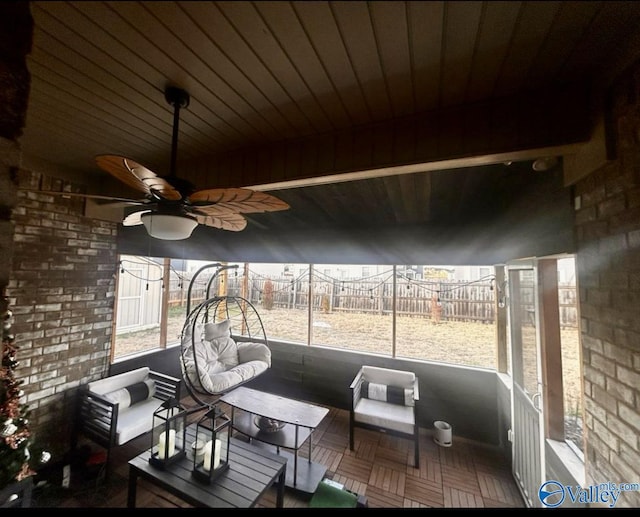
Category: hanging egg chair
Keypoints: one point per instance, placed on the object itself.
(223, 345)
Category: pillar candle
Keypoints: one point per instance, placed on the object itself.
(162, 442)
(198, 451)
(216, 455)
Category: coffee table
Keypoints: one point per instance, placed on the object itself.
(252, 470)
(301, 419)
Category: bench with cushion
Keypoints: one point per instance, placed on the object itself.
(114, 410)
(384, 400)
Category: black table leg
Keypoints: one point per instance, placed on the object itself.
(133, 483)
(295, 459)
(282, 479)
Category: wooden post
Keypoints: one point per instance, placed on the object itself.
(550, 349)
(114, 322)
(310, 307)
(164, 302)
(245, 282)
(222, 291)
(295, 292)
(222, 282)
(333, 294)
(393, 313)
(436, 308)
(501, 320)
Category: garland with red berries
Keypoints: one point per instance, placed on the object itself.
(14, 423)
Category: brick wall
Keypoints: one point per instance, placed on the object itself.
(608, 267)
(61, 289)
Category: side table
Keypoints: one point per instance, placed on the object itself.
(301, 418)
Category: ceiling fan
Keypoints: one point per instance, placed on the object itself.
(172, 207)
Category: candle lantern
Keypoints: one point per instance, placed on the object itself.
(168, 437)
(213, 431)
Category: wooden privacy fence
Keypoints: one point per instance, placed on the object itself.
(444, 300)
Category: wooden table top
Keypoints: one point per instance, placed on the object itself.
(252, 470)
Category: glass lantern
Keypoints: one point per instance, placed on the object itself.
(213, 434)
(168, 437)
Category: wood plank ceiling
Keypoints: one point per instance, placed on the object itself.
(263, 73)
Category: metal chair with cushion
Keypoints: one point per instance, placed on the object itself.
(385, 400)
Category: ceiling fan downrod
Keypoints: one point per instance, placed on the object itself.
(178, 98)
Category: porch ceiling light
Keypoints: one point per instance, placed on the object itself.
(169, 227)
(545, 164)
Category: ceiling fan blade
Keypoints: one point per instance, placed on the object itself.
(135, 218)
(121, 203)
(239, 200)
(231, 221)
(137, 176)
(88, 196)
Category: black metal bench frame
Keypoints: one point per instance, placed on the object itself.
(97, 417)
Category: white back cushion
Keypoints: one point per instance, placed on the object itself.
(389, 377)
(216, 330)
(118, 381)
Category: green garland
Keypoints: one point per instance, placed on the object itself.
(14, 423)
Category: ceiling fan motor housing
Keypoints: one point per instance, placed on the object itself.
(177, 97)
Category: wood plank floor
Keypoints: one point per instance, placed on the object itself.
(465, 475)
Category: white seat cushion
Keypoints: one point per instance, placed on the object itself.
(382, 414)
(216, 377)
(136, 420)
(221, 382)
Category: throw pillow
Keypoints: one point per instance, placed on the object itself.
(132, 394)
(216, 330)
(384, 393)
(227, 350)
(223, 346)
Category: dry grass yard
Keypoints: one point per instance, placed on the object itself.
(462, 343)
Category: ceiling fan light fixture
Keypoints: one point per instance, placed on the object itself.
(168, 227)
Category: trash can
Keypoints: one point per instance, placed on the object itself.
(442, 433)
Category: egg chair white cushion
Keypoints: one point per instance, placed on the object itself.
(220, 363)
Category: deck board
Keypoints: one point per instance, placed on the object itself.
(465, 475)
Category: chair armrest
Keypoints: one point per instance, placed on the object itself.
(416, 391)
(98, 418)
(356, 380)
(167, 387)
(355, 390)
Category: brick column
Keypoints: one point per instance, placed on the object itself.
(608, 265)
